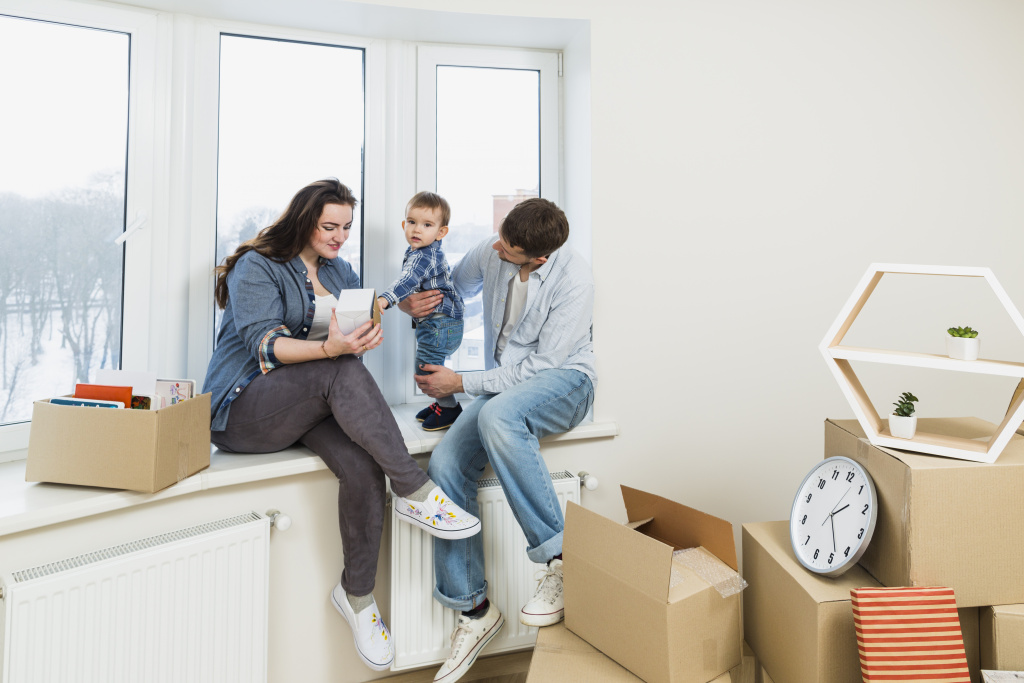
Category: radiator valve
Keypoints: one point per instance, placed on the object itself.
(279, 520)
(588, 480)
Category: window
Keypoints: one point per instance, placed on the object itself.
(290, 113)
(67, 182)
(487, 140)
(164, 104)
(275, 109)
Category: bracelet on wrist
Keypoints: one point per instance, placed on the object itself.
(323, 347)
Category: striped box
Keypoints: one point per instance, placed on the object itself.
(909, 634)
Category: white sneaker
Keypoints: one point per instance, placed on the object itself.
(547, 606)
(468, 639)
(371, 636)
(438, 516)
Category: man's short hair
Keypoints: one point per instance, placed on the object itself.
(537, 226)
(431, 200)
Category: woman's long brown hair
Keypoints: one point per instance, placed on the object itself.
(288, 235)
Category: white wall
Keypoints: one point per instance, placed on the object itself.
(749, 160)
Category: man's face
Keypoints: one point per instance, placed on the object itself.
(511, 254)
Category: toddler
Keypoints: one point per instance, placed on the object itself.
(424, 267)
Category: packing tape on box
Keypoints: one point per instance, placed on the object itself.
(724, 578)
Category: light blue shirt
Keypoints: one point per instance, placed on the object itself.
(554, 329)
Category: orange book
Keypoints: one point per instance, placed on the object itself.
(104, 392)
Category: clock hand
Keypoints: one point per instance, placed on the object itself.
(837, 505)
(841, 498)
(834, 549)
(841, 509)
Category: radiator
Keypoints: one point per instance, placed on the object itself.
(421, 626)
(189, 605)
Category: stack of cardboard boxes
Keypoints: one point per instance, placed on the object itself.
(941, 522)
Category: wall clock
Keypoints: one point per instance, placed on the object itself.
(833, 516)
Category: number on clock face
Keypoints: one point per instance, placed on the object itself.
(830, 514)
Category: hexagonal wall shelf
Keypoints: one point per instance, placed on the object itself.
(838, 358)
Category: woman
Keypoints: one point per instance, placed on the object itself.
(283, 373)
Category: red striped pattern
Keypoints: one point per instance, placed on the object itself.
(909, 634)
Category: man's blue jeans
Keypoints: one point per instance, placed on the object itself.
(504, 429)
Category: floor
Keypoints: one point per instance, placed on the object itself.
(510, 668)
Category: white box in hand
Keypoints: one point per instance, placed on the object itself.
(356, 307)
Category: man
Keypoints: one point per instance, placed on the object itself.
(538, 299)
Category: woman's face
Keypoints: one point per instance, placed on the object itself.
(331, 230)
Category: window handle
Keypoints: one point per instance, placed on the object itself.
(137, 224)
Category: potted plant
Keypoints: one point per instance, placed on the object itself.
(903, 422)
(962, 343)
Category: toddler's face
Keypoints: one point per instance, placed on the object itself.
(422, 227)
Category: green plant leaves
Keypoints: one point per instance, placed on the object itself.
(905, 404)
(962, 332)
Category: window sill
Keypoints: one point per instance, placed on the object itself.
(25, 506)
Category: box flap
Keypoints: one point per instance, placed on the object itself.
(639, 523)
(612, 548)
(680, 526)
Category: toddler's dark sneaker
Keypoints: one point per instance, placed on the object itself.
(441, 418)
(425, 413)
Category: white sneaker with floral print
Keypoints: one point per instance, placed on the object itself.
(438, 515)
(372, 638)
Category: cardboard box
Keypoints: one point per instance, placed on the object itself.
(941, 521)
(799, 624)
(1002, 637)
(139, 450)
(560, 655)
(619, 597)
(356, 307)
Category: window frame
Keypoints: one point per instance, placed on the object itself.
(428, 58)
(143, 174)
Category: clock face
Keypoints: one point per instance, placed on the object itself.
(833, 516)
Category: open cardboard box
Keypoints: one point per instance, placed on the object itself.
(943, 521)
(138, 450)
(356, 307)
(619, 597)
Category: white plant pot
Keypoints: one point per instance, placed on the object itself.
(903, 427)
(962, 348)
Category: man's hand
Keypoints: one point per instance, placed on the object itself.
(421, 304)
(440, 383)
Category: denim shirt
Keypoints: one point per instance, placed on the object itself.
(424, 269)
(266, 300)
(554, 329)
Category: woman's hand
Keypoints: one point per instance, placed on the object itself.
(365, 337)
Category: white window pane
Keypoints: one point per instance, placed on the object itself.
(488, 160)
(290, 113)
(63, 151)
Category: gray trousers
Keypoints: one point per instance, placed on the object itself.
(334, 408)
